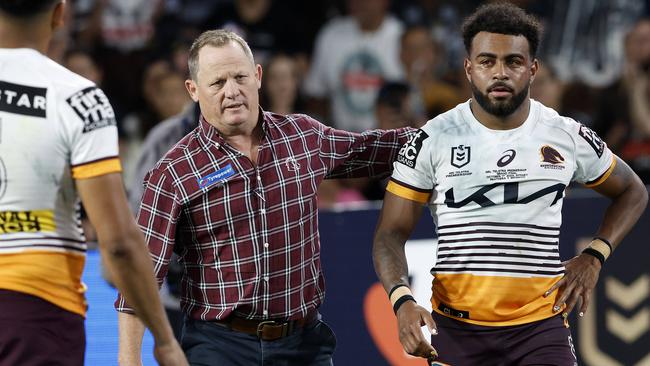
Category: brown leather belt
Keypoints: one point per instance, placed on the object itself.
(268, 330)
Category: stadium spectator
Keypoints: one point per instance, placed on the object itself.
(547, 88)
(280, 86)
(82, 63)
(268, 26)
(163, 90)
(120, 33)
(624, 114)
(353, 56)
(420, 56)
(585, 37)
(493, 172)
(580, 102)
(393, 107)
(443, 19)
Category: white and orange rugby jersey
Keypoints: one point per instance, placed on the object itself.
(496, 199)
(55, 127)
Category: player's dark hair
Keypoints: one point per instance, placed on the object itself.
(502, 18)
(26, 8)
(392, 94)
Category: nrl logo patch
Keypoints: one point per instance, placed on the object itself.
(460, 156)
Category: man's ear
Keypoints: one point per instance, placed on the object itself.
(467, 66)
(58, 16)
(258, 71)
(190, 85)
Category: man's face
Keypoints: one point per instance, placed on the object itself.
(227, 87)
(500, 70)
(391, 117)
(417, 52)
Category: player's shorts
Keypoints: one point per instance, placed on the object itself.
(37, 332)
(544, 342)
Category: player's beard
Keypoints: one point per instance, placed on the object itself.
(500, 108)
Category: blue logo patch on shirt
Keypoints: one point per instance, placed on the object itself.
(216, 177)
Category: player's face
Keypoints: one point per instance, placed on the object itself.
(500, 70)
(227, 88)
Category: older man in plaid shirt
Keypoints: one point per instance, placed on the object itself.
(236, 199)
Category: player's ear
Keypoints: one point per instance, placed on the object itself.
(58, 15)
(534, 67)
(467, 65)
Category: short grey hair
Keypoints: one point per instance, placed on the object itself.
(215, 38)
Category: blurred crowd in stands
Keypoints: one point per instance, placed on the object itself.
(362, 64)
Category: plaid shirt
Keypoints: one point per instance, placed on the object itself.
(247, 234)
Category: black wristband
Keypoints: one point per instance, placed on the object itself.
(595, 253)
(611, 248)
(390, 293)
(401, 301)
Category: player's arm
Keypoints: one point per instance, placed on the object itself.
(396, 222)
(397, 219)
(628, 201)
(127, 259)
(629, 198)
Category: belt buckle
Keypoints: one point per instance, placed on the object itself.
(261, 325)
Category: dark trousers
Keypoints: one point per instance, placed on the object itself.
(207, 343)
(35, 332)
(544, 342)
(176, 318)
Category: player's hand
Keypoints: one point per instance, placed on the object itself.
(580, 277)
(170, 354)
(410, 318)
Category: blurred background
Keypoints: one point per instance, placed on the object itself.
(363, 64)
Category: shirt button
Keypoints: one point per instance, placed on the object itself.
(266, 245)
(263, 211)
(265, 312)
(259, 178)
(266, 278)
(217, 145)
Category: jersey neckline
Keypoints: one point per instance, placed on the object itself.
(513, 133)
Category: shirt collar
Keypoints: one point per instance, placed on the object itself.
(211, 136)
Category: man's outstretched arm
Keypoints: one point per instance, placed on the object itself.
(396, 222)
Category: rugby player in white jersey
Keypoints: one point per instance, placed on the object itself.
(493, 172)
(58, 142)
